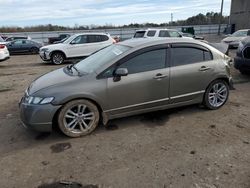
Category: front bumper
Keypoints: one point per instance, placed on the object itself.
(45, 56)
(38, 117)
(242, 63)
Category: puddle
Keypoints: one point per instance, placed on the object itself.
(42, 136)
(111, 127)
(155, 118)
(66, 184)
(57, 148)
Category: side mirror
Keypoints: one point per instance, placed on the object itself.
(73, 42)
(119, 73)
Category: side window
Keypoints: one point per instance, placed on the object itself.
(207, 56)
(174, 34)
(104, 38)
(18, 42)
(82, 39)
(163, 33)
(139, 34)
(186, 55)
(151, 33)
(147, 61)
(94, 38)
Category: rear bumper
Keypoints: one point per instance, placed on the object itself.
(4, 55)
(241, 63)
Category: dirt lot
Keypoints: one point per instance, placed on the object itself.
(187, 147)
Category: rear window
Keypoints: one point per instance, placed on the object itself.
(139, 34)
(151, 33)
(104, 38)
(163, 34)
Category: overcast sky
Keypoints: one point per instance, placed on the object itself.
(100, 12)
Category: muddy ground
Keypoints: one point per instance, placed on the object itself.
(188, 147)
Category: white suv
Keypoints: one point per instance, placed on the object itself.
(147, 33)
(78, 45)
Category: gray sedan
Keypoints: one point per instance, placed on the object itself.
(132, 77)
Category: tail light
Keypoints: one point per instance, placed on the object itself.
(114, 41)
(2, 46)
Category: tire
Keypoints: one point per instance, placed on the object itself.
(34, 50)
(216, 95)
(57, 58)
(78, 118)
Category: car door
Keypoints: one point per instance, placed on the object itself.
(26, 46)
(146, 86)
(95, 43)
(15, 46)
(192, 69)
(78, 47)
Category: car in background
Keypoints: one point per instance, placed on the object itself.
(4, 53)
(2, 41)
(128, 78)
(149, 33)
(9, 39)
(234, 40)
(24, 46)
(192, 36)
(242, 58)
(78, 45)
(59, 39)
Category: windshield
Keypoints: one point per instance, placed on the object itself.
(100, 58)
(68, 40)
(240, 34)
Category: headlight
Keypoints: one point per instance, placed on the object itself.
(44, 49)
(39, 100)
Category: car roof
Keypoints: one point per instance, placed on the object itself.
(144, 42)
(156, 29)
(77, 34)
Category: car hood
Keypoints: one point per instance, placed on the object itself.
(51, 79)
(232, 39)
(54, 46)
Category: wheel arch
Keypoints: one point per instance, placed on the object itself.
(57, 51)
(103, 116)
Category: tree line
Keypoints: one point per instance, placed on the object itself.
(200, 19)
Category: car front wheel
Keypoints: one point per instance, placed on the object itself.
(57, 58)
(216, 94)
(78, 118)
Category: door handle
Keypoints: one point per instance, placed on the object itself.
(160, 76)
(204, 68)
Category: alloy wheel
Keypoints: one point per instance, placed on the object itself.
(218, 94)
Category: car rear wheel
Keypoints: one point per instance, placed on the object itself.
(57, 58)
(216, 94)
(78, 118)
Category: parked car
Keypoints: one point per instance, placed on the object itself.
(4, 53)
(24, 46)
(78, 45)
(9, 39)
(234, 39)
(192, 36)
(53, 40)
(2, 41)
(127, 78)
(242, 58)
(149, 33)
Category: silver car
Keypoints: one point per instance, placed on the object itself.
(128, 78)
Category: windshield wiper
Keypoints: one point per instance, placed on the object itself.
(69, 68)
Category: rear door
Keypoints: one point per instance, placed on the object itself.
(97, 42)
(192, 69)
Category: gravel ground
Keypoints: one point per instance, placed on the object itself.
(187, 147)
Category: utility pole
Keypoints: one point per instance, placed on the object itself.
(220, 18)
(171, 19)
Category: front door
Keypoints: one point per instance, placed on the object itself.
(146, 85)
